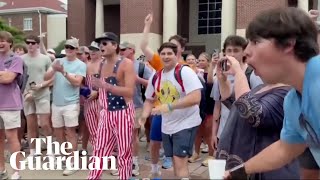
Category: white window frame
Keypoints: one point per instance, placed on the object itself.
(27, 24)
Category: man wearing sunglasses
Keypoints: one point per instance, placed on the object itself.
(143, 73)
(68, 73)
(37, 93)
(116, 91)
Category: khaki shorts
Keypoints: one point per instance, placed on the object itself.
(10, 119)
(65, 116)
(138, 113)
(37, 106)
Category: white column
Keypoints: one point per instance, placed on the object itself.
(99, 18)
(304, 5)
(228, 19)
(318, 8)
(170, 19)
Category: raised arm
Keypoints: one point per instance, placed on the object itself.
(147, 51)
(42, 47)
(212, 70)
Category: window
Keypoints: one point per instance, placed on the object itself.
(27, 24)
(209, 17)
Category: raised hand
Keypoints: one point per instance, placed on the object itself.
(148, 20)
(314, 14)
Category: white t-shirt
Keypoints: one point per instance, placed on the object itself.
(171, 91)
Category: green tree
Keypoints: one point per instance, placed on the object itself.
(18, 35)
(59, 47)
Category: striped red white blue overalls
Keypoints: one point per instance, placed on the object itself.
(115, 126)
(91, 113)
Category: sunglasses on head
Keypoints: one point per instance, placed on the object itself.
(69, 47)
(31, 42)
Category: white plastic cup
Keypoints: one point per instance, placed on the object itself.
(217, 167)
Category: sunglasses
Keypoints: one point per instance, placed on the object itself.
(123, 49)
(31, 42)
(69, 47)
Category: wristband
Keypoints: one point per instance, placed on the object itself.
(238, 172)
(170, 107)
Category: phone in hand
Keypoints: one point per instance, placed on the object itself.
(32, 84)
(215, 53)
(224, 64)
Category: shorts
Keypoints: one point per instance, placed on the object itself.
(307, 160)
(10, 119)
(155, 130)
(36, 106)
(179, 144)
(65, 116)
(138, 113)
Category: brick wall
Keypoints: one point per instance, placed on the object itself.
(112, 18)
(133, 13)
(17, 21)
(81, 20)
(247, 9)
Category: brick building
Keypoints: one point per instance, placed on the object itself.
(36, 17)
(204, 22)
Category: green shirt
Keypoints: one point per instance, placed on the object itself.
(37, 67)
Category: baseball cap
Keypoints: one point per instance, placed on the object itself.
(73, 42)
(94, 46)
(108, 36)
(83, 49)
(125, 45)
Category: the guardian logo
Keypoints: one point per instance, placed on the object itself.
(54, 160)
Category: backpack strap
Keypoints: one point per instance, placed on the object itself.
(141, 69)
(177, 75)
(156, 76)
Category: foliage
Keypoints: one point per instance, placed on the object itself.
(59, 47)
(18, 35)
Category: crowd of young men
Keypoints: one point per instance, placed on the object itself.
(103, 85)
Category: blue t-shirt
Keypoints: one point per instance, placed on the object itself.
(63, 92)
(302, 112)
